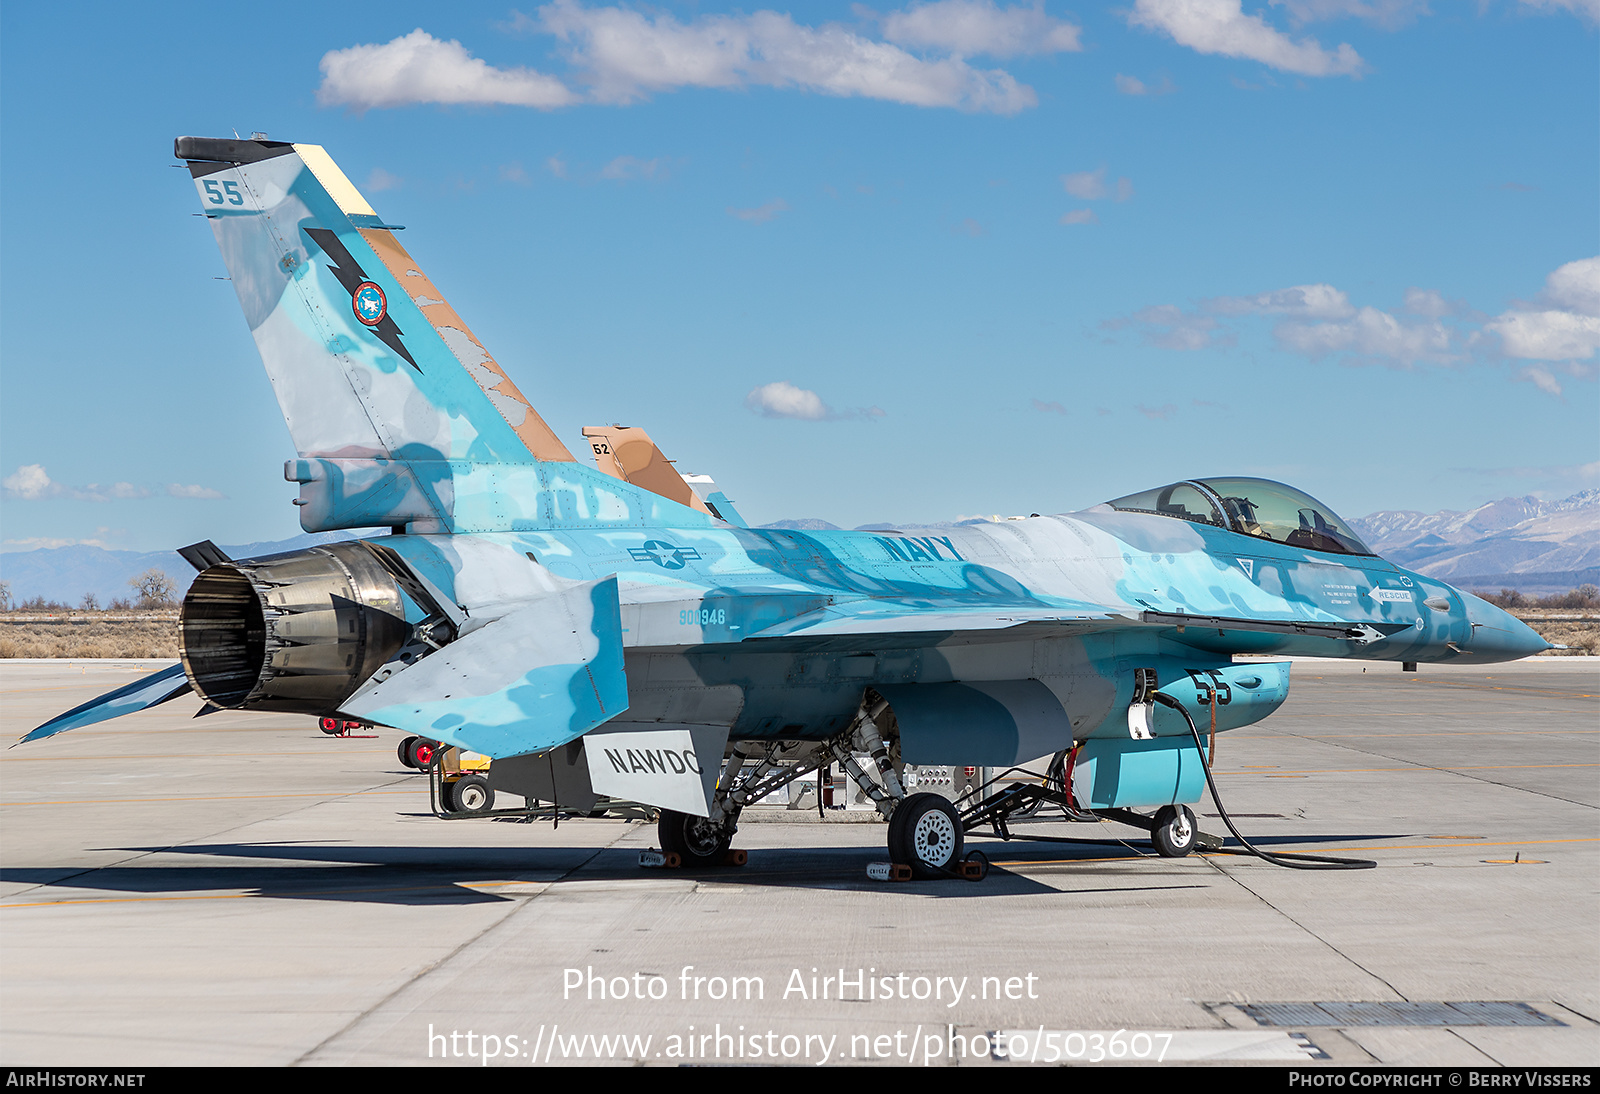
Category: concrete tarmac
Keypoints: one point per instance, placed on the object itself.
(241, 889)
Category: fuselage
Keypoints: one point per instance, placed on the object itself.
(776, 632)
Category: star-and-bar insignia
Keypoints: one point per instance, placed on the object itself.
(664, 554)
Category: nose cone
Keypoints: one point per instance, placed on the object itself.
(1497, 635)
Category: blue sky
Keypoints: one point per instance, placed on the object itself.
(903, 263)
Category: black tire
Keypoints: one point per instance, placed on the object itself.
(897, 821)
(928, 837)
(469, 794)
(421, 753)
(697, 842)
(1175, 831)
(404, 752)
(331, 726)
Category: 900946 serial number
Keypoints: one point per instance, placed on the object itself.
(703, 617)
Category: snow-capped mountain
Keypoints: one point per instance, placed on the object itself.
(1525, 543)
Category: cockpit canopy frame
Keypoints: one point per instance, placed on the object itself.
(1251, 507)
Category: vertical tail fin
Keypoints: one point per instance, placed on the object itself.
(627, 452)
(366, 357)
(399, 414)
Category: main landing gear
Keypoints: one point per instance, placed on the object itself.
(925, 833)
(697, 841)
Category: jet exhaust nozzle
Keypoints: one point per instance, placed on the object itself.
(296, 632)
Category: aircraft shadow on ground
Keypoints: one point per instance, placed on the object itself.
(412, 875)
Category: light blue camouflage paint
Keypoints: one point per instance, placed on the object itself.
(583, 600)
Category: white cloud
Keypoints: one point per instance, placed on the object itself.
(1563, 324)
(1132, 85)
(627, 54)
(1080, 216)
(1302, 301)
(1547, 335)
(1428, 302)
(1088, 185)
(1560, 328)
(782, 399)
(761, 213)
(1575, 286)
(381, 180)
(624, 168)
(1370, 333)
(1221, 27)
(966, 27)
(119, 491)
(1589, 9)
(623, 56)
(1540, 378)
(30, 483)
(1388, 14)
(556, 166)
(42, 543)
(419, 68)
(1170, 327)
(180, 490)
(1091, 185)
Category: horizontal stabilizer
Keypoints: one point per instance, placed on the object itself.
(204, 555)
(537, 677)
(156, 688)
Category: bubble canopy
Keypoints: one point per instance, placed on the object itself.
(1251, 507)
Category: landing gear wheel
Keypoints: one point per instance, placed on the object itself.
(419, 753)
(469, 794)
(927, 836)
(697, 841)
(404, 752)
(331, 726)
(1175, 831)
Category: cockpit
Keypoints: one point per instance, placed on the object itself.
(1251, 507)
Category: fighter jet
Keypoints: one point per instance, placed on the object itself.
(627, 453)
(598, 638)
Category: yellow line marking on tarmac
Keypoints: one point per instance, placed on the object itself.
(1449, 714)
(1369, 770)
(182, 756)
(1134, 853)
(1258, 731)
(330, 794)
(1489, 687)
(1437, 846)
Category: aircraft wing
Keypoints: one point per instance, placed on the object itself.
(156, 688)
(539, 676)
